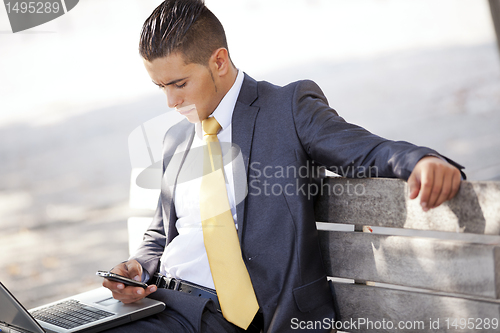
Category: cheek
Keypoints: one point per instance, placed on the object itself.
(203, 97)
(204, 112)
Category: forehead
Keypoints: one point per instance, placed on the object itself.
(170, 68)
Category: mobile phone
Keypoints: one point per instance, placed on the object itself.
(122, 279)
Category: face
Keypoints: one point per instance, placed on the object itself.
(191, 89)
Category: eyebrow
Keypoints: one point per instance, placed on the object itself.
(169, 83)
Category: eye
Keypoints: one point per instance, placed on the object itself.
(181, 85)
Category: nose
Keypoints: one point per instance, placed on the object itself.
(173, 98)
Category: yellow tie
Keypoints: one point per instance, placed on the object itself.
(232, 282)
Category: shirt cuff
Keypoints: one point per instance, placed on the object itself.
(145, 276)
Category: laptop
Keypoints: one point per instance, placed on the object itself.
(92, 311)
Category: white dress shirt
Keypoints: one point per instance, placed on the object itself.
(185, 257)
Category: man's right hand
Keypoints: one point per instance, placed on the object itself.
(128, 294)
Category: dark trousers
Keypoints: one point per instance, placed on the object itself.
(183, 313)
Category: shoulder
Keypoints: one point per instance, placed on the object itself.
(292, 90)
(290, 87)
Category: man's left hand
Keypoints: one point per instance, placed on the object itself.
(436, 180)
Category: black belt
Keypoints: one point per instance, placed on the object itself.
(162, 281)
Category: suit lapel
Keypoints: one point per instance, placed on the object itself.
(243, 124)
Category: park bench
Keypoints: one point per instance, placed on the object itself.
(394, 267)
(392, 263)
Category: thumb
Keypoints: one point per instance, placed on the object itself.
(413, 186)
(134, 270)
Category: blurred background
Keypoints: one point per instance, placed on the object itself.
(72, 91)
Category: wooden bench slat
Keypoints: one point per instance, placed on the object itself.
(385, 203)
(448, 266)
(376, 304)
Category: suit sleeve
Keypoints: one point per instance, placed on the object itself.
(348, 149)
(155, 239)
(153, 243)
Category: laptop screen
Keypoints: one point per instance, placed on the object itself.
(14, 314)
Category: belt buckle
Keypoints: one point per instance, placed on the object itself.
(166, 282)
(173, 284)
(161, 281)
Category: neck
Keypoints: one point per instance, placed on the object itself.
(226, 82)
(230, 79)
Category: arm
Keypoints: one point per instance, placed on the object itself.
(145, 260)
(339, 145)
(153, 243)
(147, 257)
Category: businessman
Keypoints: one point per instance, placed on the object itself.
(231, 265)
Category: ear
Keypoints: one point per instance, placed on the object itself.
(220, 61)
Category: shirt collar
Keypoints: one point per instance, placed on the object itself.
(224, 111)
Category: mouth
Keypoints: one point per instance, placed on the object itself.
(187, 109)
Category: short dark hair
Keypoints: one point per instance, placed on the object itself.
(185, 26)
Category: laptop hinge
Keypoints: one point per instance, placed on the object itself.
(5, 327)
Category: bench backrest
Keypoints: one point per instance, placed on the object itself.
(396, 267)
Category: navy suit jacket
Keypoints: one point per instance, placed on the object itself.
(279, 130)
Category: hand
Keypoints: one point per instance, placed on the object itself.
(128, 294)
(436, 180)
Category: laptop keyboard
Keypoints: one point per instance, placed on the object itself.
(70, 314)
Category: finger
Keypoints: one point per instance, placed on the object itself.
(446, 187)
(437, 186)
(134, 270)
(413, 186)
(456, 181)
(427, 181)
(133, 294)
(113, 285)
(120, 269)
(129, 294)
(150, 289)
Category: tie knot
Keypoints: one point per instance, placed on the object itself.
(210, 126)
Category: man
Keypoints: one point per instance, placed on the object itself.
(278, 263)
